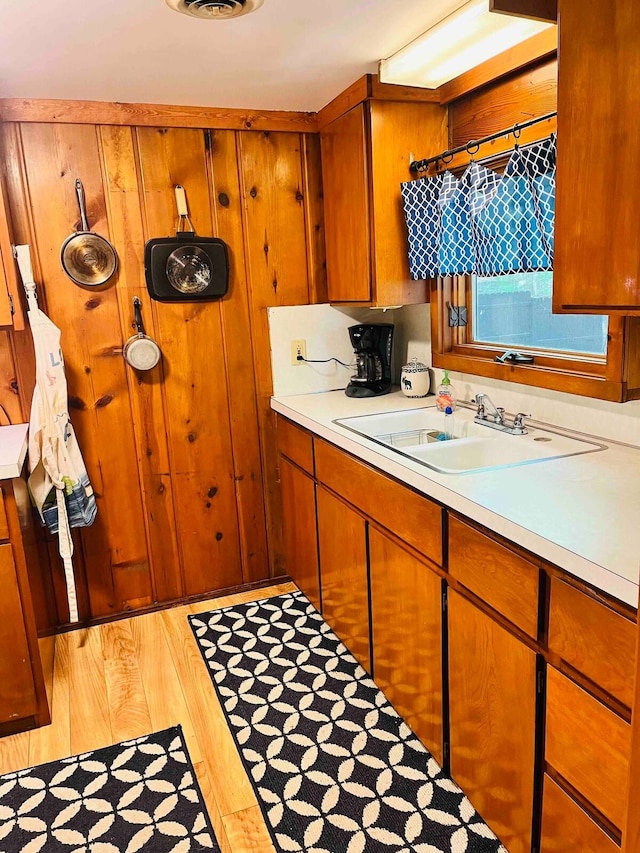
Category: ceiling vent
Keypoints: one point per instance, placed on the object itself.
(214, 10)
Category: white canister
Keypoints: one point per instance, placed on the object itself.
(415, 379)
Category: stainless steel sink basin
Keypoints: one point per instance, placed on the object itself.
(417, 434)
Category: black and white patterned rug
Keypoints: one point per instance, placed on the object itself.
(141, 795)
(335, 769)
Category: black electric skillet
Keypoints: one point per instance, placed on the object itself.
(186, 268)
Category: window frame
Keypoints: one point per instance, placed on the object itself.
(589, 376)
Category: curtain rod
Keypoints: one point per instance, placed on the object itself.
(474, 144)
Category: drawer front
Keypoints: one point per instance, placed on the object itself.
(413, 518)
(295, 444)
(4, 524)
(593, 639)
(507, 582)
(588, 745)
(566, 828)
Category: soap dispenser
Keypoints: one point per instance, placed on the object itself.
(446, 395)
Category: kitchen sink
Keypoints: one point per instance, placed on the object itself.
(418, 435)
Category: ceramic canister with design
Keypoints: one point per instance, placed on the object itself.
(415, 379)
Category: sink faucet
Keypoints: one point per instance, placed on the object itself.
(486, 408)
(493, 416)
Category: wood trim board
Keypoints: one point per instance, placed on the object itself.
(369, 88)
(153, 115)
(533, 51)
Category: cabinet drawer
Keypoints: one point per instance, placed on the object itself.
(566, 828)
(4, 524)
(507, 582)
(295, 444)
(588, 745)
(413, 518)
(594, 639)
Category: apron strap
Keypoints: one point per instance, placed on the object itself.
(65, 544)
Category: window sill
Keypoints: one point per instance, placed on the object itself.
(567, 381)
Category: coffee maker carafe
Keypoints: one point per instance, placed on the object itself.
(372, 344)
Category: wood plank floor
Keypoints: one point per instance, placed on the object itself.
(129, 678)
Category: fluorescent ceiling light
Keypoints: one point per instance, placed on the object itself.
(465, 39)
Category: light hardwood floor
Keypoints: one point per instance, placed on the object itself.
(129, 678)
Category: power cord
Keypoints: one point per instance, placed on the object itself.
(324, 361)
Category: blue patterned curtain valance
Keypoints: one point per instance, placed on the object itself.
(484, 222)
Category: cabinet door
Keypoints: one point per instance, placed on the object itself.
(406, 624)
(17, 690)
(343, 570)
(10, 315)
(492, 702)
(300, 536)
(345, 181)
(6, 316)
(597, 256)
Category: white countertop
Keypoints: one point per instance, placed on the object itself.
(13, 449)
(581, 513)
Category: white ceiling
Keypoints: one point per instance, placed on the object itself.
(290, 54)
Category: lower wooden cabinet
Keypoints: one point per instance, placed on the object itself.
(300, 536)
(492, 707)
(23, 701)
(566, 828)
(406, 623)
(343, 560)
(368, 549)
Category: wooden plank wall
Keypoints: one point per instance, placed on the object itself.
(182, 457)
(500, 104)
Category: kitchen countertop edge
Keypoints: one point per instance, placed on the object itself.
(14, 442)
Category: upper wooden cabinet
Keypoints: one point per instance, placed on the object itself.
(365, 156)
(11, 313)
(597, 259)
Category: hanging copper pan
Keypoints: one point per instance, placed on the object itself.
(87, 258)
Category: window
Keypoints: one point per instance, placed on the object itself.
(575, 353)
(514, 312)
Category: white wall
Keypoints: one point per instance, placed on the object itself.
(325, 329)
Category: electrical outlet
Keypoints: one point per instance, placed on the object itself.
(298, 351)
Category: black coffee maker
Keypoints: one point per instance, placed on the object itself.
(372, 344)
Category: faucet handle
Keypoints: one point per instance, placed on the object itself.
(518, 421)
(478, 401)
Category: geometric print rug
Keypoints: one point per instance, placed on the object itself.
(334, 767)
(141, 795)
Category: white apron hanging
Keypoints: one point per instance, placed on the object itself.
(58, 481)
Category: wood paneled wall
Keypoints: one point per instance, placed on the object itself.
(182, 457)
(516, 98)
